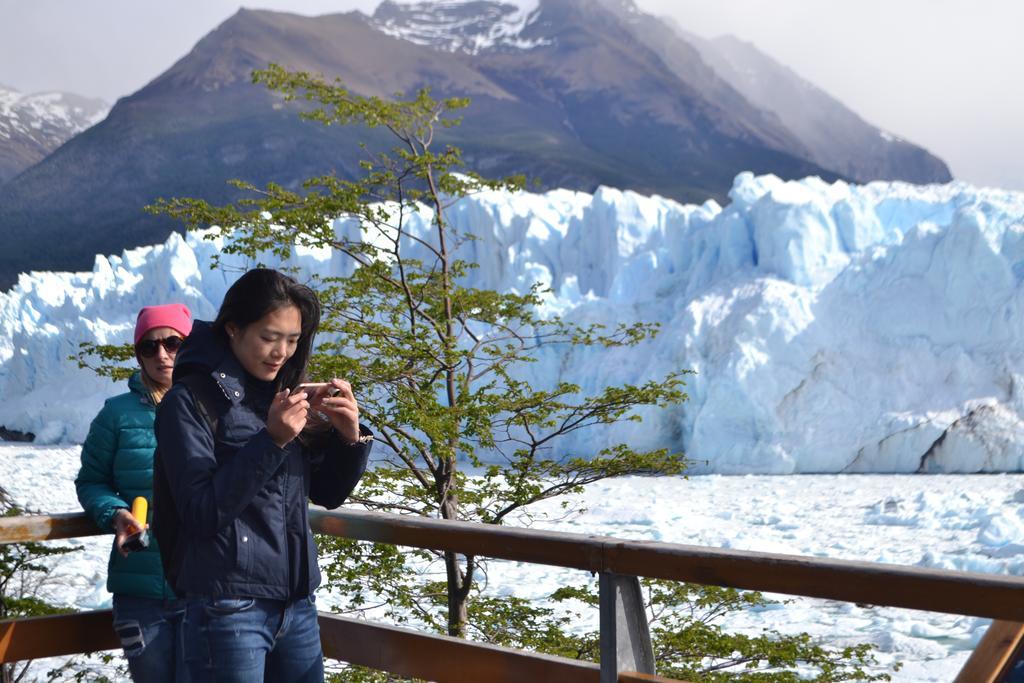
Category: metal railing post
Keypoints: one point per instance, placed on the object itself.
(625, 637)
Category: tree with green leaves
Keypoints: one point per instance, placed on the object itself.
(437, 364)
(433, 360)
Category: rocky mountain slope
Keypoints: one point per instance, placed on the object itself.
(573, 93)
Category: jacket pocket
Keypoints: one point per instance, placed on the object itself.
(214, 556)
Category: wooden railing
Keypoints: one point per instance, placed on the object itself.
(410, 653)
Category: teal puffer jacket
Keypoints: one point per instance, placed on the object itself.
(117, 466)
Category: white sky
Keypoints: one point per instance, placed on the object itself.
(945, 74)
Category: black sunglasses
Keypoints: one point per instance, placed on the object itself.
(147, 348)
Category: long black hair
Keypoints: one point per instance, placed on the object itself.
(261, 291)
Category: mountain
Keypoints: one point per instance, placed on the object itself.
(832, 327)
(836, 137)
(573, 93)
(32, 126)
(772, 101)
(459, 26)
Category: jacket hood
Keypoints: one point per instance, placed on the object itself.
(135, 384)
(206, 352)
(138, 387)
(203, 351)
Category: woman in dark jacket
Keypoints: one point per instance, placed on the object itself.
(248, 568)
(117, 466)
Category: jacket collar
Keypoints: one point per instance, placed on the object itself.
(230, 377)
(205, 351)
(135, 384)
(138, 387)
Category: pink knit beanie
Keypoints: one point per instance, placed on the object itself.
(175, 316)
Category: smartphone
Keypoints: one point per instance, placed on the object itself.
(136, 542)
(308, 387)
(312, 387)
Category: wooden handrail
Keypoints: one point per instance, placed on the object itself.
(969, 593)
(442, 658)
(55, 635)
(47, 527)
(379, 646)
(975, 594)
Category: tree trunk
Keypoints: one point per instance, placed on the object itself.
(459, 582)
(457, 594)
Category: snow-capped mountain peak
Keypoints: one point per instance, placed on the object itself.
(468, 26)
(33, 125)
(46, 115)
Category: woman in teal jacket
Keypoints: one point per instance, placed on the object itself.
(117, 466)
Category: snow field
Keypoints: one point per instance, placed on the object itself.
(958, 522)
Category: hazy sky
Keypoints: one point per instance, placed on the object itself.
(945, 74)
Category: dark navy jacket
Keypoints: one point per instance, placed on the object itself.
(242, 501)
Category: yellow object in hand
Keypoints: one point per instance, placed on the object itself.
(140, 506)
(140, 539)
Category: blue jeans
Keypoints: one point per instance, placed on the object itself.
(150, 631)
(251, 640)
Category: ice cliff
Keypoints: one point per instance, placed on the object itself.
(833, 327)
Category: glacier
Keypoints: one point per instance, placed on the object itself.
(832, 327)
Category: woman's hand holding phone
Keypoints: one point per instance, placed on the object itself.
(336, 400)
(287, 416)
(333, 400)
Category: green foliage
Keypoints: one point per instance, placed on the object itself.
(436, 365)
(690, 645)
(690, 642)
(112, 359)
(517, 623)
